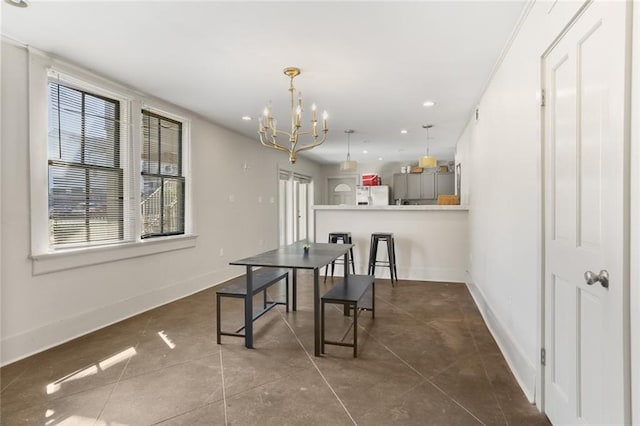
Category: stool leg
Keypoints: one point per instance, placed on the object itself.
(393, 250)
(390, 255)
(353, 264)
(370, 254)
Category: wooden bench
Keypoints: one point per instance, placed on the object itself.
(353, 293)
(262, 279)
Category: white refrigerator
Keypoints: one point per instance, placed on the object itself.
(372, 195)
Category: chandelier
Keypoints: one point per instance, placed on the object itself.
(269, 132)
(427, 161)
(349, 165)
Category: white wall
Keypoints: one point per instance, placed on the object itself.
(41, 311)
(501, 156)
(635, 222)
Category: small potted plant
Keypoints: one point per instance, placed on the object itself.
(306, 249)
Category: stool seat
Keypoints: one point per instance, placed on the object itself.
(387, 237)
(344, 238)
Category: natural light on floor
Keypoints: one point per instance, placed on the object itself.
(92, 369)
(166, 339)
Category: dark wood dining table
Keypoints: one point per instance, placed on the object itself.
(293, 256)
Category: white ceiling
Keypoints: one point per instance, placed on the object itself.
(371, 65)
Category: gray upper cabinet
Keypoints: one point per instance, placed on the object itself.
(399, 186)
(422, 186)
(414, 186)
(446, 183)
(428, 181)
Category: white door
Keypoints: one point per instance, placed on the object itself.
(585, 325)
(342, 191)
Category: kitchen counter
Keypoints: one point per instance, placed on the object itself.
(394, 207)
(431, 240)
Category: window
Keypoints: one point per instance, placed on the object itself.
(85, 176)
(96, 165)
(162, 182)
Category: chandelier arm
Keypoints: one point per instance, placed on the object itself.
(306, 147)
(273, 144)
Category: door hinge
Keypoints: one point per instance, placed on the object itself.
(543, 356)
(543, 99)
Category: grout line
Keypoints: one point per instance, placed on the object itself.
(484, 369)
(224, 394)
(144, 332)
(115, 385)
(421, 375)
(318, 368)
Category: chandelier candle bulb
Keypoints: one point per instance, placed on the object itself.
(325, 116)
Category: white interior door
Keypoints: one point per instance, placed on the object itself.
(585, 139)
(342, 191)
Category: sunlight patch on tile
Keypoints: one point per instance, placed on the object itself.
(166, 339)
(54, 387)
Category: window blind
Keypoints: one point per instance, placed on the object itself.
(85, 175)
(162, 182)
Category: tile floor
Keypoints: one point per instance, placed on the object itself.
(426, 359)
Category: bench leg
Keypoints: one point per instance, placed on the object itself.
(218, 318)
(322, 328)
(355, 330)
(373, 299)
(248, 310)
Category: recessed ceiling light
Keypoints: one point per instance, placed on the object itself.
(17, 3)
(246, 118)
(429, 103)
(379, 158)
(403, 131)
(365, 152)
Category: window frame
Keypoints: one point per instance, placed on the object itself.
(47, 259)
(180, 176)
(117, 159)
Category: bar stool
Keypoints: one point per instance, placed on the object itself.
(376, 237)
(345, 238)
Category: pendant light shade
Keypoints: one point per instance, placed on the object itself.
(427, 161)
(348, 165)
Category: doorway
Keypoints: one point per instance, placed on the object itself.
(296, 197)
(586, 280)
(341, 191)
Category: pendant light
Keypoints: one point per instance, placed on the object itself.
(427, 161)
(349, 165)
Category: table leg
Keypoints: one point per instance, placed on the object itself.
(294, 284)
(316, 310)
(248, 310)
(345, 307)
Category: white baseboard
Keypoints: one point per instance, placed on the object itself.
(14, 348)
(521, 366)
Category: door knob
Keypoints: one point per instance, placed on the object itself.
(603, 278)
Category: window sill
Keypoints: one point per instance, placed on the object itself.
(76, 258)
